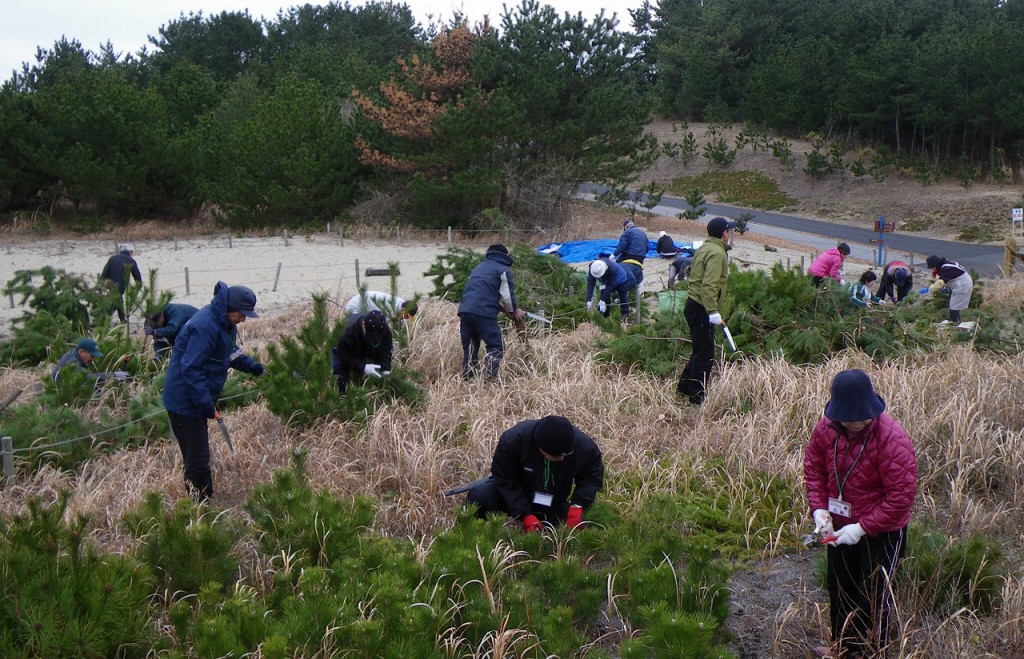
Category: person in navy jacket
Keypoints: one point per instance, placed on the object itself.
(164, 326)
(488, 291)
(206, 347)
(614, 278)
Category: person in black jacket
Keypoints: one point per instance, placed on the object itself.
(116, 272)
(544, 470)
(364, 349)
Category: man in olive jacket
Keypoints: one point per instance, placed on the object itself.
(544, 470)
(709, 273)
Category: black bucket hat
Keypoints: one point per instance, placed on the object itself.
(853, 398)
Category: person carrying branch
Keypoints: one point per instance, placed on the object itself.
(364, 349)
(206, 347)
(488, 291)
(544, 470)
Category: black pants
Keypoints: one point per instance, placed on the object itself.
(697, 372)
(474, 328)
(859, 580)
(489, 500)
(194, 442)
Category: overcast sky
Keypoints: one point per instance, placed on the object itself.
(28, 24)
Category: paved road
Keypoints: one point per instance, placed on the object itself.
(985, 259)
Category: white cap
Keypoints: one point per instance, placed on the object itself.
(661, 234)
(598, 268)
(127, 247)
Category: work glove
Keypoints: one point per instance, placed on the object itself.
(849, 535)
(121, 375)
(575, 517)
(715, 318)
(602, 306)
(210, 412)
(148, 331)
(385, 373)
(257, 369)
(373, 370)
(842, 282)
(590, 303)
(925, 291)
(937, 286)
(822, 521)
(532, 524)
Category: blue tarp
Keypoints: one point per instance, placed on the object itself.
(581, 251)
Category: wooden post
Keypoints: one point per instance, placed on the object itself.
(449, 236)
(787, 263)
(10, 294)
(357, 274)
(802, 271)
(63, 247)
(398, 234)
(230, 244)
(328, 227)
(277, 277)
(341, 235)
(188, 287)
(286, 237)
(175, 243)
(7, 447)
(10, 399)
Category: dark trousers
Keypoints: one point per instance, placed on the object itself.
(161, 348)
(697, 372)
(489, 500)
(345, 376)
(859, 580)
(194, 442)
(473, 329)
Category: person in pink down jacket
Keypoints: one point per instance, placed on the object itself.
(860, 471)
(828, 263)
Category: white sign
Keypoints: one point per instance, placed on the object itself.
(1018, 214)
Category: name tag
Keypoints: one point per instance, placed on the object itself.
(839, 507)
(542, 499)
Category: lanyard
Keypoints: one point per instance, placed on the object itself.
(547, 474)
(835, 461)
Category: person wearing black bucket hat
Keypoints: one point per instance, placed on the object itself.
(204, 350)
(489, 291)
(365, 348)
(860, 472)
(544, 470)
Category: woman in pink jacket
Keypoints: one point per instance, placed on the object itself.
(828, 264)
(861, 476)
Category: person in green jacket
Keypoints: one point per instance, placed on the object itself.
(709, 273)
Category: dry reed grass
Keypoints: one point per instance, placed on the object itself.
(960, 407)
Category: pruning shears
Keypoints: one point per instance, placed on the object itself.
(819, 538)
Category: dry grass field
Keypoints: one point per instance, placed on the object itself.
(961, 408)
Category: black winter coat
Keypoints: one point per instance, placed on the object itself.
(518, 470)
(115, 268)
(354, 352)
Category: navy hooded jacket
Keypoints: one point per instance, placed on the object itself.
(490, 288)
(203, 352)
(175, 317)
(633, 244)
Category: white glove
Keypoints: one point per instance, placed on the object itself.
(841, 282)
(590, 303)
(373, 370)
(849, 534)
(601, 306)
(121, 375)
(385, 373)
(715, 318)
(822, 521)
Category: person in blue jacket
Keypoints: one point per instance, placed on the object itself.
(614, 278)
(488, 291)
(632, 250)
(206, 347)
(164, 326)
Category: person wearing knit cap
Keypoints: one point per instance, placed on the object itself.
(613, 278)
(709, 273)
(365, 349)
(116, 272)
(860, 472)
(828, 264)
(544, 470)
(896, 282)
(204, 350)
(489, 290)
(951, 275)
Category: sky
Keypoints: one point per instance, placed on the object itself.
(28, 24)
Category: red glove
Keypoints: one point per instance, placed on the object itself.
(575, 516)
(531, 524)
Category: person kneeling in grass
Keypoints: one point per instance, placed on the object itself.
(544, 470)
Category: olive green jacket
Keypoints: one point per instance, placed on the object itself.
(708, 274)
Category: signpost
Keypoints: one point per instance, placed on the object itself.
(1017, 223)
(882, 227)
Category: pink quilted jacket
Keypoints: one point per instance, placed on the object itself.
(827, 264)
(881, 484)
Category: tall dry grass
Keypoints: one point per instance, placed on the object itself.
(961, 408)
